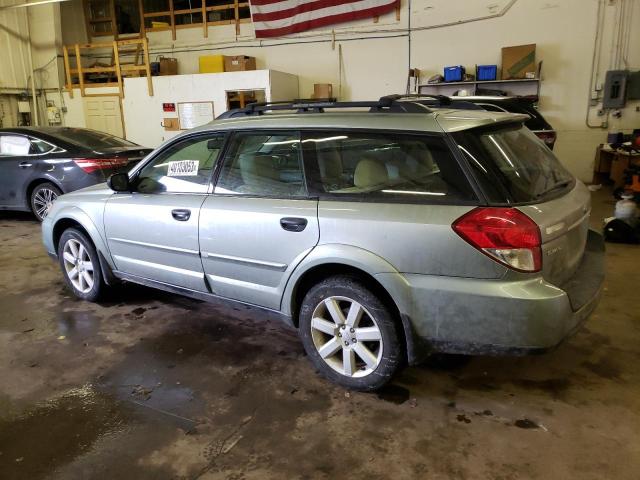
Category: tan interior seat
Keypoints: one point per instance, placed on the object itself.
(370, 173)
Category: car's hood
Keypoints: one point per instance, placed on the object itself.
(98, 189)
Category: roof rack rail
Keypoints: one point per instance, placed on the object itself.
(385, 104)
(434, 101)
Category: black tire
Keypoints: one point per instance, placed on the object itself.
(98, 288)
(41, 193)
(351, 288)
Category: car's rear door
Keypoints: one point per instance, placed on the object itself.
(16, 167)
(260, 222)
(152, 232)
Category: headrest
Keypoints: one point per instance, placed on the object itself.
(252, 166)
(329, 163)
(369, 173)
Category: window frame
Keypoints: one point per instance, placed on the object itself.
(134, 174)
(263, 131)
(314, 181)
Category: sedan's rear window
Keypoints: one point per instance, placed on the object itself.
(92, 138)
(513, 165)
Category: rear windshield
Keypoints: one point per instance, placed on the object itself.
(513, 165)
(92, 138)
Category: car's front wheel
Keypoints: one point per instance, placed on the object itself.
(42, 198)
(80, 265)
(349, 334)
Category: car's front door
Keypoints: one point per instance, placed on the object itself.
(152, 232)
(259, 223)
(15, 169)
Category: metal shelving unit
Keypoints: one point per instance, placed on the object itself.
(518, 86)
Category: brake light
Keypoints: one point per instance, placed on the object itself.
(504, 234)
(548, 137)
(92, 164)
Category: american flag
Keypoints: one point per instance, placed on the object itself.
(275, 18)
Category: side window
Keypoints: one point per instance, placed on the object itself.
(184, 167)
(14, 145)
(266, 164)
(39, 146)
(386, 166)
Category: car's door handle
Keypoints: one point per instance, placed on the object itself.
(293, 224)
(25, 164)
(181, 214)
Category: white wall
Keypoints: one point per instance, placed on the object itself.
(375, 56)
(143, 114)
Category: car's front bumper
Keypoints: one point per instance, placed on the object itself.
(479, 316)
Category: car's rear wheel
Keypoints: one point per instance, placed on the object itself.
(42, 198)
(349, 334)
(80, 265)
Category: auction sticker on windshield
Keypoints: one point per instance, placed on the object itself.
(183, 168)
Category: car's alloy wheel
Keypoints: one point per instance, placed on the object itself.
(78, 265)
(42, 199)
(346, 336)
(349, 333)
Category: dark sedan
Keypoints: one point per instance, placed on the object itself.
(37, 164)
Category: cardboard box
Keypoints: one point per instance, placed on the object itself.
(322, 90)
(168, 66)
(518, 61)
(211, 63)
(239, 63)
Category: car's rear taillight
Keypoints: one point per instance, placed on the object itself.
(92, 164)
(504, 234)
(548, 137)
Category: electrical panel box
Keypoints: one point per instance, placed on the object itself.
(633, 86)
(615, 89)
(24, 106)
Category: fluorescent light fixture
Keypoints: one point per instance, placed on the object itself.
(31, 4)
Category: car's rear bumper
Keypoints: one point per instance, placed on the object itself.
(476, 316)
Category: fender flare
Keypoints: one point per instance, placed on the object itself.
(80, 216)
(392, 281)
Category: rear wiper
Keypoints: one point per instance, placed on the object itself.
(557, 186)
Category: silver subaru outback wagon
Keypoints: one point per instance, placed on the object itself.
(383, 231)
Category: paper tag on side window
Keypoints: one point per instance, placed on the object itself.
(183, 168)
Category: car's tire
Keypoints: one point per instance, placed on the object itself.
(80, 265)
(42, 198)
(361, 351)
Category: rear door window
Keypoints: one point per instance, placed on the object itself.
(14, 145)
(513, 165)
(263, 164)
(385, 167)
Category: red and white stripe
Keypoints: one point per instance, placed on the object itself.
(275, 18)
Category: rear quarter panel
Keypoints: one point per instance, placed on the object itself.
(410, 238)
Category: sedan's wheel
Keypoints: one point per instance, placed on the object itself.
(349, 334)
(80, 265)
(42, 199)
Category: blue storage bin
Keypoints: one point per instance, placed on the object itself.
(453, 74)
(487, 72)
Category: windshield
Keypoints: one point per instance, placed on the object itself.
(513, 165)
(92, 138)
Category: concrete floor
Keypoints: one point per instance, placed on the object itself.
(154, 386)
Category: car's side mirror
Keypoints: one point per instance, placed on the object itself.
(119, 182)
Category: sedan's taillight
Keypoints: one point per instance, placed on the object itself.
(504, 234)
(92, 164)
(548, 137)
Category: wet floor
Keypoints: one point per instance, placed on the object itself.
(147, 385)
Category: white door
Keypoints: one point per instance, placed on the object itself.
(103, 114)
